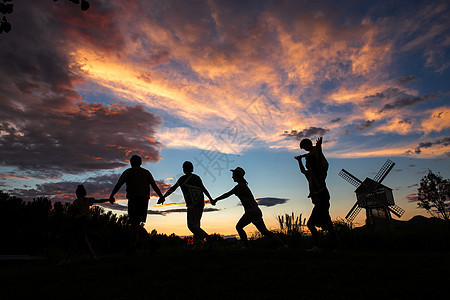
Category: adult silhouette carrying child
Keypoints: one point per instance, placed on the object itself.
(193, 191)
(138, 181)
(316, 173)
(252, 212)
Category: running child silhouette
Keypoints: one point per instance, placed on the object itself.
(252, 213)
(316, 173)
(193, 191)
(79, 225)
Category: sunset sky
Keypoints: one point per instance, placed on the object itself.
(223, 84)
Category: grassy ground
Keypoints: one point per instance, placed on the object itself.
(227, 272)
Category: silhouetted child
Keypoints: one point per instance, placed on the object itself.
(193, 191)
(79, 213)
(252, 213)
(316, 163)
(316, 173)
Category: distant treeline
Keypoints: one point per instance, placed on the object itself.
(40, 226)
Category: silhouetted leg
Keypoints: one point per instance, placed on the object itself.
(312, 228)
(266, 232)
(194, 215)
(244, 221)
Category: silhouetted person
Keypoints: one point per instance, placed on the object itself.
(252, 213)
(316, 173)
(193, 191)
(79, 224)
(138, 181)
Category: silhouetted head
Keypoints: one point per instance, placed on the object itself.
(306, 144)
(81, 191)
(238, 175)
(135, 161)
(188, 167)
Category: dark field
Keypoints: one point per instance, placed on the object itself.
(227, 272)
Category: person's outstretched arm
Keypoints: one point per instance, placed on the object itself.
(117, 187)
(110, 200)
(205, 191)
(172, 189)
(226, 195)
(156, 189)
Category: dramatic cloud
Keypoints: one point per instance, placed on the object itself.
(405, 80)
(81, 91)
(365, 124)
(335, 120)
(123, 208)
(45, 129)
(99, 187)
(406, 101)
(271, 201)
(306, 133)
(442, 142)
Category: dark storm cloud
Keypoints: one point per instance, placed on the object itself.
(154, 212)
(91, 137)
(99, 187)
(407, 100)
(365, 124)
(412, 197)
(388, 93)
(271, 201)
(396, 98)
(405, 80)
(306, 133)
(444, 142)
(45, 128)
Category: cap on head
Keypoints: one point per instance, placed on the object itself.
(81, 191)
(188, 167)
(238, 171)
(135, 160)
(306, 144)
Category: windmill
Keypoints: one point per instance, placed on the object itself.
(375, 197)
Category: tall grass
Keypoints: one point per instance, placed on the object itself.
(291, 224)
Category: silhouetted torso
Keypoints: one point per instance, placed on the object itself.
(191, 186)
(138, 182)
(81, 207)
(242, 191)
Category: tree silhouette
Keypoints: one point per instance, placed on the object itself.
(434, 195)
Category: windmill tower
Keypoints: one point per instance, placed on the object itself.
(373, 196)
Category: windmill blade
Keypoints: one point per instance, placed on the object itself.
(385, 169)
(350, 178)
(396, 210)
(353, 212)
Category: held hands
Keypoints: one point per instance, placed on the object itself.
(161, 200)
(112, 200)
(213, 201)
